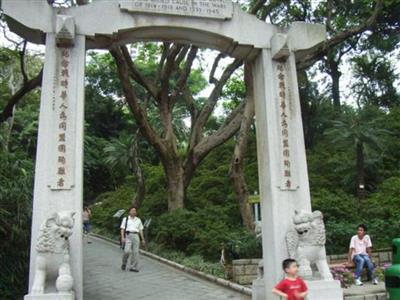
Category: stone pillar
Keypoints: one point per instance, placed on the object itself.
(282, 166)
(59, 159)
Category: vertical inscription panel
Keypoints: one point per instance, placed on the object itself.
(63, 125)
(214, 9)
(288, 171)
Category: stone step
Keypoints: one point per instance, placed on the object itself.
(380, 296)
(366, 292)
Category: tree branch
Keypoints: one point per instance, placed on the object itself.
(135, 74)
(237, 165)
(168, 69)
(308, 57)
(187, 96)
(181, 56)
(212, 100)
(22, 62)
(224, 133)
(212, 79)
(182, 80)
(131, 99)
(25, 89)
(163, 57)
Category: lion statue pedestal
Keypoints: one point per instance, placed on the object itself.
(53, 279)
(306, 243)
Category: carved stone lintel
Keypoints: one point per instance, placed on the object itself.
(65, 31)
(279, 47)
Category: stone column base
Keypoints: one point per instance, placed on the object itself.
(258, 290)
(324, 289)
(51, 296)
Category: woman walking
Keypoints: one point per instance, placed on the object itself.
(86, 215)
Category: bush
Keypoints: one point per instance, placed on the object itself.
(382, 213)
(340, 218)
(342, 213)
(107, 205)
(16, 183)
(196, 262)
(203, 232)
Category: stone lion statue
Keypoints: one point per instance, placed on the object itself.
(306, 243)
(52, 259)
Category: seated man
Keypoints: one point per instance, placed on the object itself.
(360, 253)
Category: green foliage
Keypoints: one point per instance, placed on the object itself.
(375, 78)
(211, 219)
(342, 213)
(382, 212)
(203, 232)
(16, 183)
(196, 262)
(107, 204)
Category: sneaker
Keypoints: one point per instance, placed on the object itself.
(358, 282)
(375, 281)
(133, 270)
(123, 267)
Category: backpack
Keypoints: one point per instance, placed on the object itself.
(122, 244)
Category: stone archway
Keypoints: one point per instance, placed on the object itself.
(216, 24)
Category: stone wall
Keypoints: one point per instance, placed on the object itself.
(379, 257)
(244, 271)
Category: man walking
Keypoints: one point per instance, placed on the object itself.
(360, 253)
(131, 229)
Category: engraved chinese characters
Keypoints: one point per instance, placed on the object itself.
(214, 9)
(64, 123)
(284, 116)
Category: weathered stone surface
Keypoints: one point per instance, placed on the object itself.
(49, 195)
(355, 298)
(242, 262)
(251, 270)
(238, 270)
(51, 296)
(384, 257)
(213, 9)
(65, 31)
(306, 243)
(382, 296)
(52, 266)
(324, 289)
(245, 279)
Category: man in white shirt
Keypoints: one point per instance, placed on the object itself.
(131, 229)
(360, 253)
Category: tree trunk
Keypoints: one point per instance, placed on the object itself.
(360, 171)
(237, 163)
(176, 187)
(306, 109)
(335, 76)
(10, 120)
(138, 172)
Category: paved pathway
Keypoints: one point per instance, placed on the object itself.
(104, 280)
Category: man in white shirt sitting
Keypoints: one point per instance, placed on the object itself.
(131, 229)
(360, 253)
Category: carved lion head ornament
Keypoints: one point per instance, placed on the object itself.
(55, 232)
(309, 226)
